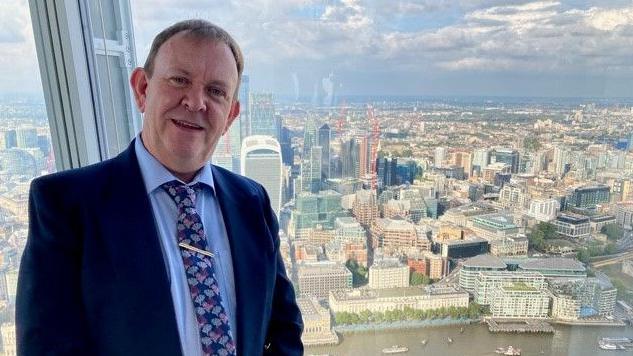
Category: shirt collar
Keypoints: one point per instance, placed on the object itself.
(155, 174)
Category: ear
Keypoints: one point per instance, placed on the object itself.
(138, 82)
(233, 114)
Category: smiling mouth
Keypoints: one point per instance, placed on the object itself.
(186, 125)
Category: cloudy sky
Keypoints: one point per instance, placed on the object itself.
(391, 47)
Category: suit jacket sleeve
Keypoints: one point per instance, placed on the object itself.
(49, 313)
(286, 325)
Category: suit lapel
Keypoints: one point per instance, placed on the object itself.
(241, 218)
(138, 258)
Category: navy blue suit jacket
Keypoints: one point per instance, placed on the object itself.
(92, 279)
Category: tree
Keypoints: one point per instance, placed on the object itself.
(613, 231)
(359, 273)
(417, 279)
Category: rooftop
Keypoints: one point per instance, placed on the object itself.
(554, 263)
(485, 261)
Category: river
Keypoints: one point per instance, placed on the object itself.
(476, 340)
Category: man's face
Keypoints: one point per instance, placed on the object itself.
(187, 102)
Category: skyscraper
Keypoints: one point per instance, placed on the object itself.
(245, 113)
(481, 158)
(324, 142)
(507, 156)
(440, 156)
(261, 161)
(263, 121)
(311, 170)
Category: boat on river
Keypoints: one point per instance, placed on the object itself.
(508, 351)
(395, 349)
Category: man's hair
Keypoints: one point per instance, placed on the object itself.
(201, 29)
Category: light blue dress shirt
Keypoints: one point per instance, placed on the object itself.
(166, 216)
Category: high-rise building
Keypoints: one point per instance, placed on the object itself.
(9, 139)
(324, 141)
(589, 196)
(312, 210)
(464, 160)
(544, 209)
(365, 207)
(311, 170)
(245, 108)
(481, 159)
(350, 159)
(310, 138)
(387, 169)
(440, 156)
(26, 137)
(262, 112)
(261, 161)
(507, 156)
(287, 154)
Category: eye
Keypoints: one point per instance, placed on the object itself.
(178, 81)
(216, 92)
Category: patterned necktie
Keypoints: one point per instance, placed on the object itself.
(213, 323)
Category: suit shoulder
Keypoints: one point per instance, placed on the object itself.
(77, 178)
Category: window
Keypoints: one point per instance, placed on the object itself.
(411, 137)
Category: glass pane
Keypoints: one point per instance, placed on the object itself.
(456, 175)
(25, 150)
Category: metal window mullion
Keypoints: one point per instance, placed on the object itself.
(101, 127)
(62, 61)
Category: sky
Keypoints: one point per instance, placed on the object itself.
(581, 48)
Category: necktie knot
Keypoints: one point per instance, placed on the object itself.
(183, 195)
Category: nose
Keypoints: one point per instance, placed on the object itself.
(194, 99)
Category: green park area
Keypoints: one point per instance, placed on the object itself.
(473, 311)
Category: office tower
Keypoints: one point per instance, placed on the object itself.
(350, 152)
(261, 161)
(245, 113)
(364, 155)
(10, 139)
(287, 154)
(589, 196)
(464, 160)
(312, 210)
(387, 171)
(228, 150)
(365, 206)
(440, 156)
(262, 112)
(544, 209)
(507, 156)
(560, 160)
(324, 141)
(311, 170)
(481, 159)
(310, 138)
(26, 137)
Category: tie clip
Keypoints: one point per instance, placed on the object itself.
(195, 249)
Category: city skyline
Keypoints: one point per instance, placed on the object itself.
(461, 48)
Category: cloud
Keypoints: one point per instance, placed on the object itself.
(14, 20)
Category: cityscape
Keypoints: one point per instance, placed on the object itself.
(407, 213)
(450, 177)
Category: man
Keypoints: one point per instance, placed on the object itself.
(157, 252)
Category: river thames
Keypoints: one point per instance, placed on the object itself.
(476, 340)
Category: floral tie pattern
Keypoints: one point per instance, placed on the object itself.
(213, 322)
